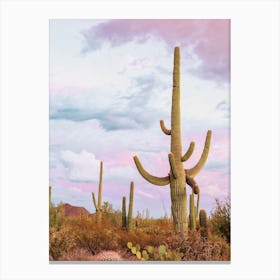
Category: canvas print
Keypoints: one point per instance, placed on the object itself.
(139, 147)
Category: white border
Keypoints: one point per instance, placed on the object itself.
(255, 138)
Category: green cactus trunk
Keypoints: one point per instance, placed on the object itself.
(124, 212)
(130, 207)
(192, 212)
(50, 196)
(204, 233)
(98, 206)
(177, 182)
(178, 176)
(202, 218)
(197, 206)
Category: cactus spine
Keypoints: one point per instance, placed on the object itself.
(130, 207)
(192, 212)
(98, 206)
(124, 212)
(178, 176)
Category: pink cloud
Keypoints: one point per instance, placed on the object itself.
(209, 38)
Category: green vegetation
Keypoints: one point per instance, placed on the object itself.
(220, 219)
(81, 238)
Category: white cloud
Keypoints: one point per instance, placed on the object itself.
(81, 166)
(213, 190)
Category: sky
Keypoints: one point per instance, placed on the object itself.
(111, 84)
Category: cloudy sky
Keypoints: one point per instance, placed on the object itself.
(111, 83)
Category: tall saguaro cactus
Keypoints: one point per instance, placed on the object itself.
(178, 176)
(130, 207)
(98, 206)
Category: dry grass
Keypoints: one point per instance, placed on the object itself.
(79, 238)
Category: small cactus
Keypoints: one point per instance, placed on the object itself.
(161, 250)
(98, 205)
(133, 250)
(130, 208)
(150, 249)
(202, 218)
(145, 255)
(150, 253)
(129, 245)
(138, 255)
(124, 212)
(203, 224)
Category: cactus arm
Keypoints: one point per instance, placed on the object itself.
(172, 165)
(94, 201)
(193, 171)
(159, 181)
(192, 183)
(164, 129)
(189, 152)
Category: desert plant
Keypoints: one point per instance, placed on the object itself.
(97, 206)
(124, 212)
(178, 176)
(197, 206)
(192, 213)
(150, 253)
(204, 231)
(220, 219)
(50, 196)
(196, 248)
(202, 218)
(130, 207)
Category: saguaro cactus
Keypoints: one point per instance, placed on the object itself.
(197, 206)
(203, 224)
(192, 212)
(202, 218)
(124, 212)
(50, 196)
(178, 176)
(130, 207)
(98, 206)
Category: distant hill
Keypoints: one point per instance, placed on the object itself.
(73, 211)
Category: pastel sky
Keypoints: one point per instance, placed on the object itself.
(111, 83)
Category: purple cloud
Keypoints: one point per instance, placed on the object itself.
(209, 40)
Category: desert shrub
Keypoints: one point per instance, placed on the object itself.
(144, 236)
(56, 216)
(110, 215)
(61, 241)
(95, 239)
(220, 219)
(196, 248)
